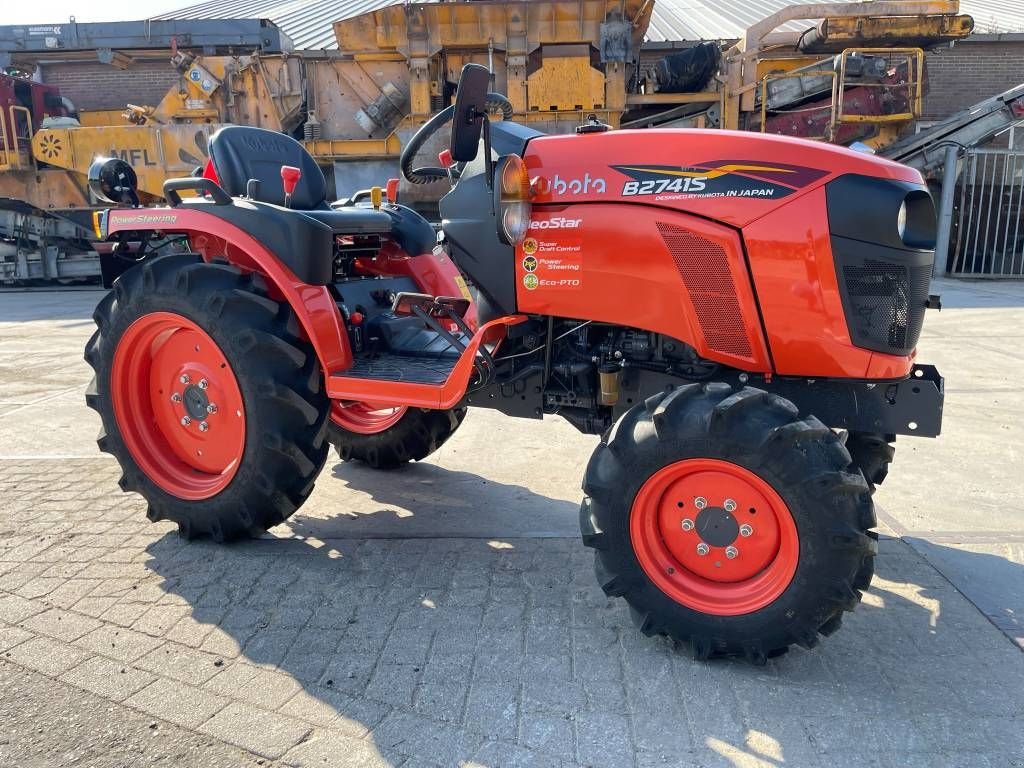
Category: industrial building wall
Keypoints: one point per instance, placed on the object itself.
(92, 85)
(969, 72)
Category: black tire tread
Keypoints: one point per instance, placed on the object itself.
(417, 434)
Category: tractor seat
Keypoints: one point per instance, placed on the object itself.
(240, 153)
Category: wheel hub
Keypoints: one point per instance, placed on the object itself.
(714, 536)
(717, 527)
(196, 402)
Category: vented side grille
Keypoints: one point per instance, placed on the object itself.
(704, 269)
(886, 304)
(884, 292)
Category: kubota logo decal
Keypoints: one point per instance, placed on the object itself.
(559, 186)
(720, 178)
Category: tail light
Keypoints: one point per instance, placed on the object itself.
(513, 203)
(99, 224)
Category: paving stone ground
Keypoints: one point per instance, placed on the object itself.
(346, 639)
(467, 651)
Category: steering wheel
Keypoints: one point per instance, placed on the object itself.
(428, 174)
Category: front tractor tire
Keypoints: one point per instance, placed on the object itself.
(209, 399)
(727, 522)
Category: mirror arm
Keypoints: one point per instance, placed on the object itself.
(488, 160)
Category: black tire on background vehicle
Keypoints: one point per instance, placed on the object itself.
(660, 539)
(415, 436)
(269, 429)
(872, 454)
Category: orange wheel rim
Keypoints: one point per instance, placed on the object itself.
(178, 406)
(714, 537)
(365, 418)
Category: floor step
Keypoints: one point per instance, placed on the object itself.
(406, 368)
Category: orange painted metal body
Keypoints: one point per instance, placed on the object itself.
(440, 396)
(315, 307)
(212, 238)
(717, 239)
(776, 245)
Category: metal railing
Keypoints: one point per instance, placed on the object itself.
(902, 92)
(989, 234)
(14, 155)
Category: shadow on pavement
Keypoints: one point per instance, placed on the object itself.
(427, 500)
(505, 652)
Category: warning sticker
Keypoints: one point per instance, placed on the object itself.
(553, 261)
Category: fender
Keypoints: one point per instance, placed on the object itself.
(213, 237)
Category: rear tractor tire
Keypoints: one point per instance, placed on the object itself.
(388, 438)
(727, 522)
(210, 401)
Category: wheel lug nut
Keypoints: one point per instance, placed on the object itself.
(700, 502)
(745, 530)
(203, 426)
(175, 398)
(732, 553)
(211, 408)
(703, 549)
(687, 524)
(185, 378)
(185, 421)
(203, 383)
(729, 505)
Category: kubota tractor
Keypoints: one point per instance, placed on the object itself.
(734, 314)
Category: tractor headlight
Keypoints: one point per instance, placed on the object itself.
(513, 199)
(901, 220)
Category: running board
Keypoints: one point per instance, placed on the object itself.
(394, 380)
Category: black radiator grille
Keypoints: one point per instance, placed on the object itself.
(884, 302)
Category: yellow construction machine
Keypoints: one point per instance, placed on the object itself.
(855, 75)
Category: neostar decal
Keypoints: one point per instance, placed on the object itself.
(719, 178)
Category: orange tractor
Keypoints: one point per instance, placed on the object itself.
(734, 314)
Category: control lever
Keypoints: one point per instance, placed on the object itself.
(444, 157)
(290, 176)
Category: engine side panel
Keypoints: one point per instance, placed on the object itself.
(793, 267)
(644, 267)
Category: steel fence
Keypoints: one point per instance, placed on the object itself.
(989, 236)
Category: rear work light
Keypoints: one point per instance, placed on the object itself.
(99, 224)
(513, 199)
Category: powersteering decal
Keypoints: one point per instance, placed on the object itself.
(551, 258)
(142, 218)
(718, 178)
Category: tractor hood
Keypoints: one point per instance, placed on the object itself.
(729, 176)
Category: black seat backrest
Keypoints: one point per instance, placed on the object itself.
(241, 153)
